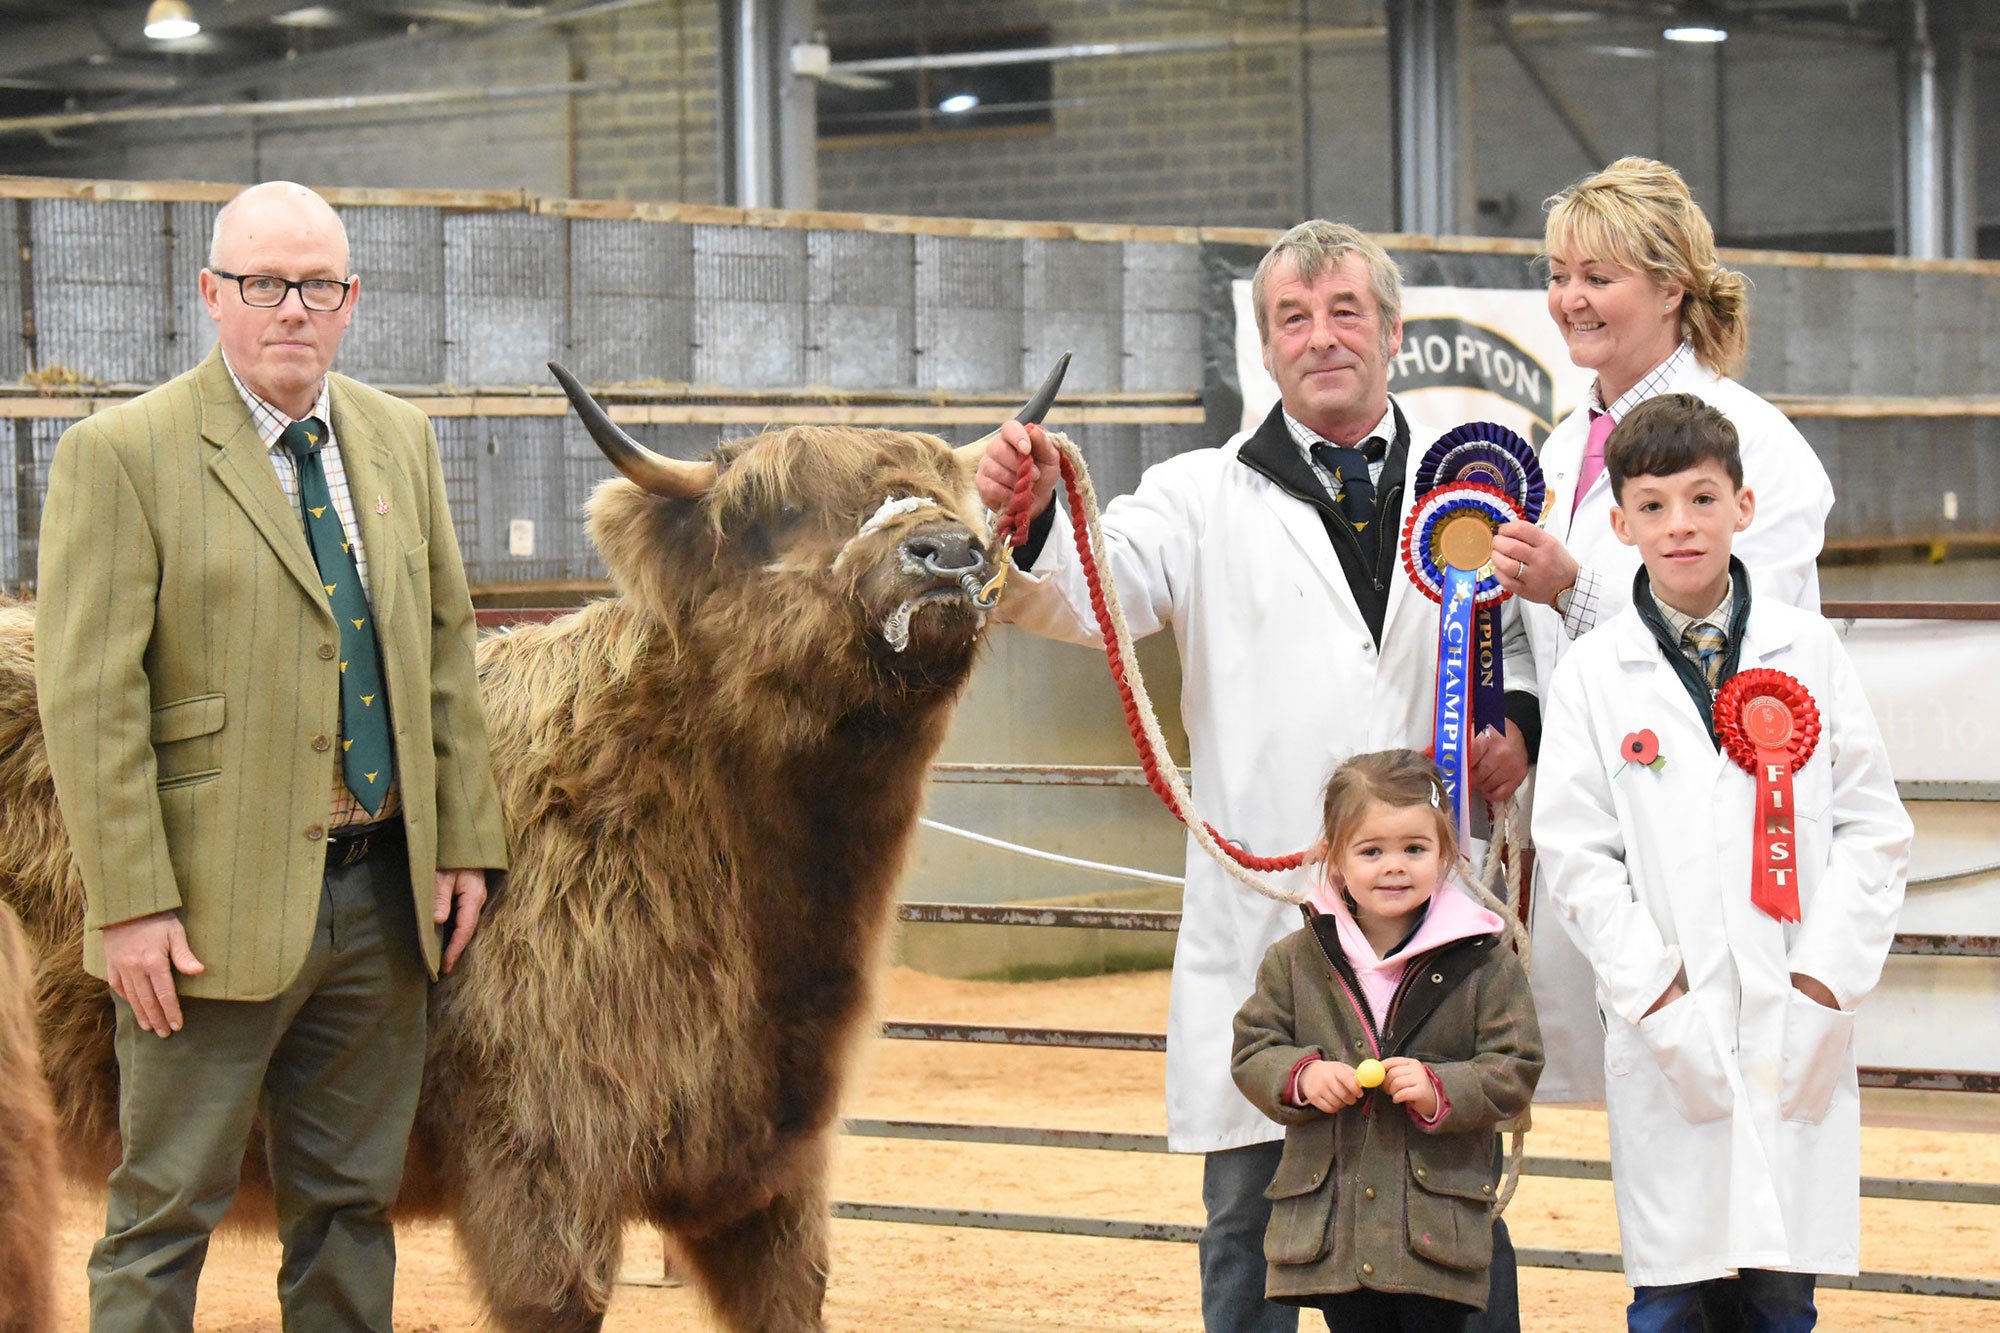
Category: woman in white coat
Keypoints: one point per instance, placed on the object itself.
(1635, 288)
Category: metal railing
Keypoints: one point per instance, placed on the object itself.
(1874, 1187)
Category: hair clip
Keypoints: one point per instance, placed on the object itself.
(1437, 801)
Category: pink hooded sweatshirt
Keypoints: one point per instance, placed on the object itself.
(1452, 915)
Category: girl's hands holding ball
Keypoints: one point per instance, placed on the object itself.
(1409, 1084)
(1329, 1086)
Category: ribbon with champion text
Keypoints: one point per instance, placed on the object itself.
(1448, 553)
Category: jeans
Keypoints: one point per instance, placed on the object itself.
(1232, 1243)
(1755, 1300)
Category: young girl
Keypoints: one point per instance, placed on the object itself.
(1390, 1036)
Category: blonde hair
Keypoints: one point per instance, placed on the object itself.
(1399, 779)
(1318, 245)
(1640, 213)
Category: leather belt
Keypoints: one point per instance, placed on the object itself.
(356, 843)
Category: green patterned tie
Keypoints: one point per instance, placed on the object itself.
(1707, 642)
(366, 758)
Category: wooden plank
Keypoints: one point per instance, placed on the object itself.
(1982, 405)
(1910, 610)
(831, 220)
(57, 187)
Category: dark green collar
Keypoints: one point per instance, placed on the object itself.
(1690, 675)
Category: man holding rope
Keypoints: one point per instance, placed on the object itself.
(1274, 559)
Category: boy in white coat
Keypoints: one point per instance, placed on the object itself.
(1728, 1003)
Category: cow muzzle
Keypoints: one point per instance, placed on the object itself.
(949, 559)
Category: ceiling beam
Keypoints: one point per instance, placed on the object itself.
(53, 42)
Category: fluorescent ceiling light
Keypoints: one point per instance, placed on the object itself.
(310, 16)
(1695, 32)
(958, 102)
(169, 20)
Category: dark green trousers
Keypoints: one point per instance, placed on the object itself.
(334, 1064)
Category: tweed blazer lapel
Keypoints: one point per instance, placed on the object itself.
(241, 463)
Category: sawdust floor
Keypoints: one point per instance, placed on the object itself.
(891, 1278)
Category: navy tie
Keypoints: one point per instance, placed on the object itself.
(1357, 489)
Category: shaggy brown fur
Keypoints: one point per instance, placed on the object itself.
(27, 1150)
(711, 781)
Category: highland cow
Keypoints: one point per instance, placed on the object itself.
(710, 780)
(27, 1150)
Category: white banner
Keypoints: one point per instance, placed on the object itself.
(1468, 354)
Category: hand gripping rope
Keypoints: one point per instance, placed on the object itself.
(1164, 778)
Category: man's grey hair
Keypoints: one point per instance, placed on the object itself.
(1319, 245)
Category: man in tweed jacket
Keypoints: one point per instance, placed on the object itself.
(267, 935)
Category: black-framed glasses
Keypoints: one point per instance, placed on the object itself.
(266, 291)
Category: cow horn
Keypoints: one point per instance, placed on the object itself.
(669, 478)
(1031, 412)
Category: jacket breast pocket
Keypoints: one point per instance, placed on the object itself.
(1451, 1196)
(1302, 1195)
(185, 749)
(418, 563)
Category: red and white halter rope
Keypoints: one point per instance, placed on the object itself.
(1164, 777)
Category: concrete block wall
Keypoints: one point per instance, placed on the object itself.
(1200, 138)
(653, 138)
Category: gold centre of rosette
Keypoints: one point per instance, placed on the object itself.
(1464, 541)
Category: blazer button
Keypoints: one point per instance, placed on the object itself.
(1368, 1193)
(314, 832)
(322, 742)
(1368, 1270)
(326, 652)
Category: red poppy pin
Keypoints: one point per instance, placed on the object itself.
(1642, 747)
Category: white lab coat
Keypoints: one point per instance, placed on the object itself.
(1281, 680)
(1735, 1112)
(1780, 549)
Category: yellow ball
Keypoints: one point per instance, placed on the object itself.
(1369, 1073)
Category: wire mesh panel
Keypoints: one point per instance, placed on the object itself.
(459, 440)
(1881, 331)
(631, 301)
(861, 317)
(1772, 295)
(1986, 289)
(15, 437)
(13, 339)
(33, 449)
(1112, 454)
(1818, 355)
(190, 228)
(1948, 353)
(100, 290)
(1163, 293)
(968, 314)
(1072, 298)
(750, 299)
(398, 332)
(504, 293)
(524, 533)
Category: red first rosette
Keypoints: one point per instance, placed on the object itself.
(1768, 723)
